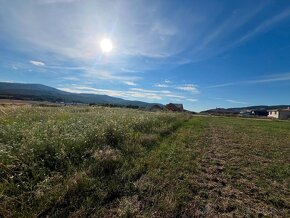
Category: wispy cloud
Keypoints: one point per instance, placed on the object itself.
(116, 93)
(71, 78)
(142, 95)
(129, 83)
(225, 84)
(230, 34)
(266, 25)
(90, 90)
(236, 102)
(229, 25)
(191, 99)
(91, 73)
(175, 96)
(184, 61)
(55, 1)
(151, 91)
(165, 84)
(268, 79)
(232, 101)
(37, 63)
(129, 70)
(133, 93)
(107, 75)
(8, 81)
(272, 78)
(189, 87)
(161, 85)
(263, 27)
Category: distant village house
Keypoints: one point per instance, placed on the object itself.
(248, 112)
(174, 107)
(259, 112)
(282, 114)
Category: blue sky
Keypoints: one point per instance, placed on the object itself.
(204, 54)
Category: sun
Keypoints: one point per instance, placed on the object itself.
(106, 45)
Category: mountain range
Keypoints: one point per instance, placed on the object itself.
(39, 92)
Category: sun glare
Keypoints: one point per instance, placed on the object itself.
(106, 45)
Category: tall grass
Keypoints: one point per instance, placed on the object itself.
(73, 160)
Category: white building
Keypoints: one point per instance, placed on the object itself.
(282, 114)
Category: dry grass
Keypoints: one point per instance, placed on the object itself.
(101, 162)
(72, 161)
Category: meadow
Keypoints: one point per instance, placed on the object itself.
(113, 162)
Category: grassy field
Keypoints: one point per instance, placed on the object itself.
(112, 162)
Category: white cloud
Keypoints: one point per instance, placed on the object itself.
(56, 1)
(90, 72)
(191, 99)
(161, 85)
(116, 93)
(37, 63)
(133, 93)
(236, 102)
(151, 91)
(129, 83)
(129, 70)
(272, 78)
(224, 85)
(71, 78)
(167, 81)
(144, 95)
(8, 81)
(188, 87)
(90, 90)
(107, 75)
(175, 96)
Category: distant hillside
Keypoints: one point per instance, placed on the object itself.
(261, 107)
(38, 92)
(238, 109)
